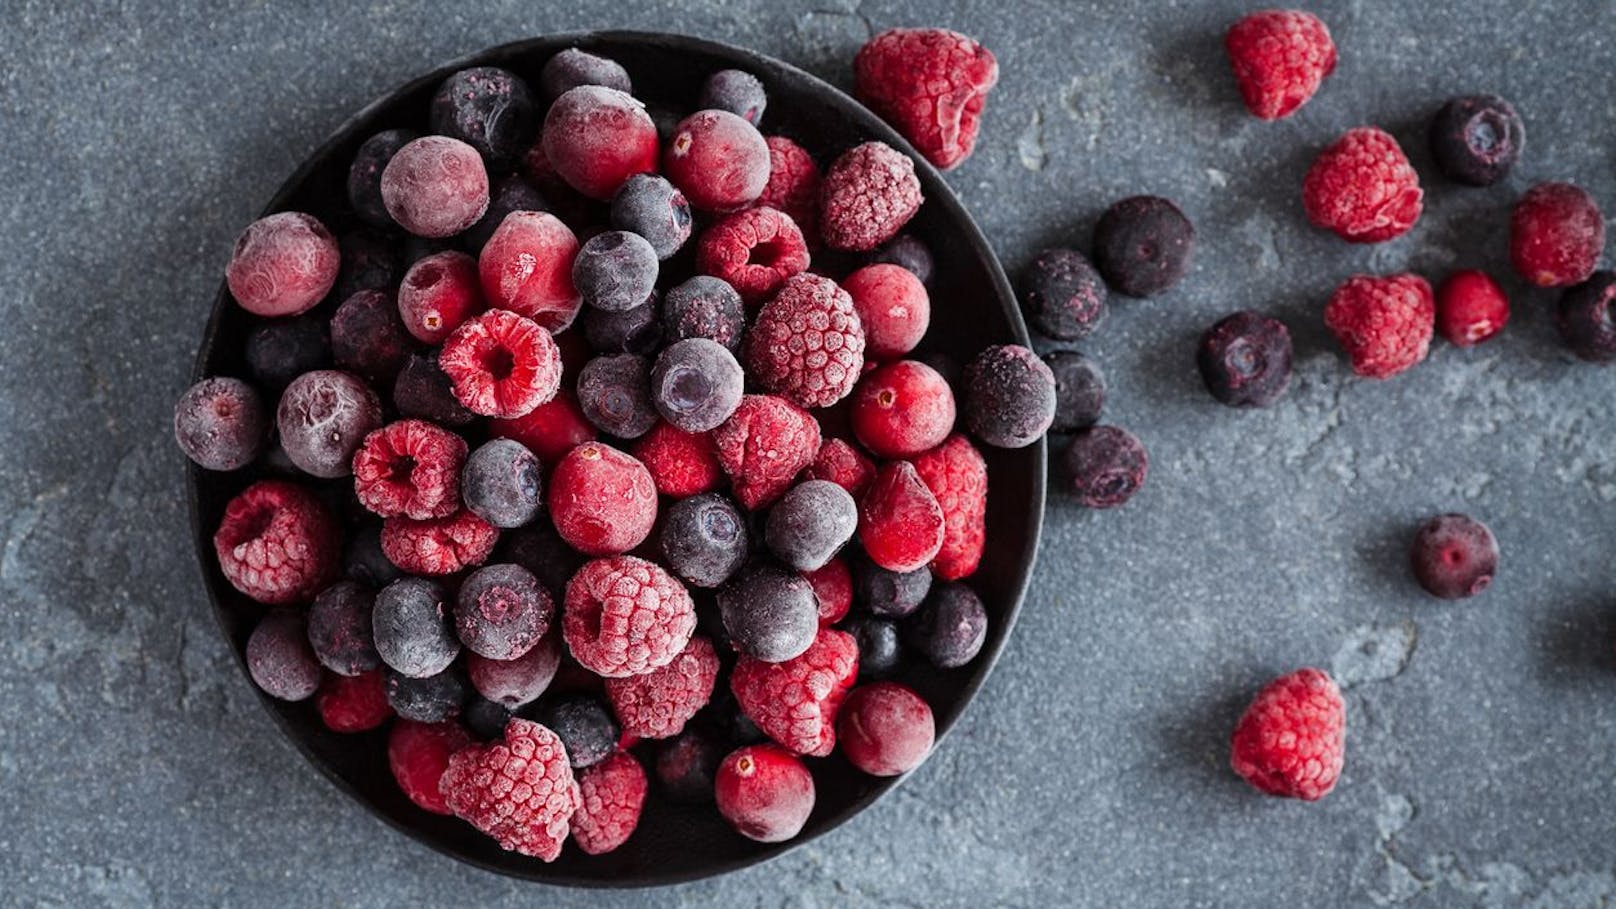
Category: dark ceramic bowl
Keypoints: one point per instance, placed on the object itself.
(972, 307)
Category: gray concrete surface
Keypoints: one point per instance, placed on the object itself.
(136, 768)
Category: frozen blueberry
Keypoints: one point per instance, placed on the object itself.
(501, 611)
(704, 307)
(950, 627)
(281, 350)
(1079, 390)
(1245, 359)
(653, 208)
(1105, 466)
(433, 699)
(540, 549)
(501, 485)
(1142, 245)
(279, 657)
(414, 628)
(884, 592)
(1587, 318)
(511, 194)
(736, 91)
(635, 331)
(1062, 295)
(1454, 556)
(370, 261)
(696, 384)
(323, 418)
(573, 67)
(490, 109)
(810, 524)
(880, 652)
(1009, 396)
(907, 251)
(368, 337)
(769, 613)
(686, 765)
(340, 628)
(1477, 139)
(704, 539)
(585, 726)
(364, 561)
(422, 390)
(614, 394)
(221, 423)
(615, 270)
(484, 718)
(365, 174)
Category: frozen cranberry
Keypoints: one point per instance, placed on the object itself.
(765, 793)
(596, 138)
(894, 307)
(437, 294)
(549, 430)
(602, 500)
(718, 160)
(526, 267)
(885, 728)
(282, 264)
(1470, 308)
(435, 186)
(1556, 233)
(902, 409)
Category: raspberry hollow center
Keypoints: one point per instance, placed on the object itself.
(500, 363)
(766, 253)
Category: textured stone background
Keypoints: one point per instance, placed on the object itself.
(136, 768)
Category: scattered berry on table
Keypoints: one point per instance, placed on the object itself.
(435, 186)
(636, 330)
(1009, 396)
(880, 651)
(892, 594)
(754, 251)
(807, 343)
(520, 790)
(512, 194)
(502, 483)
(704, 307)
(764, 792)
(1245, 359)
(625, 616)
(340, 628)
(1105, 466)
(931, 85)
(769, 614)
(282, 350)
(602, 501)
(1080, 390)
(418, 753)
(1280, 58)
(867, 196)
(1454, 556)
(414, 630)
(423, 391)
(654, 209)
(279, 657)
(486, 719)
(1363, 188)
(810, 524)
(718, 160)
(550, 430)
(365, 175)
(364, 561)
(371, 260)
(902, 409)
(597, 137)
(957, 475)
(840, 462)
(501, 364)
(1063, 295)
(1143, 245)
(611, 795)
(686, 765)
(901, 524)
(1476, 139)
(615, 270)
(433, 699)
(682, 464)
(893, 307)
(585, 726)
(950, 627)
(793, 185)
(526, 267)
(704, 539)
(833, 590)
(488, 108)
(501, 611)
(885, 728)
(614, 394)
(438, 546)
(696, 384)
(909, 253)
(573, 67)
(764, 445)
(1470, 308)
(1587, 318)
(1383, 323)
(282, 264)
(221, 423)
(277, 543)
(438, 293)
(736, 91)
(795, 701)
(515, 683)
(410, 468)
(1556, 234)
(658, 704)
(1291, 740)
(353, 703)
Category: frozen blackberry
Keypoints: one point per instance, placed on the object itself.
(879, 649)
(950, 627)
(1476, 139)
(540, 549)
(810, 524)
(1142, 245)
(1245, 359)
(501, 483)
(1009, 396)
(635, 331)
(884, 592)
(653, 208)
(433, 699)
(1079, 390)
(573, 67)
(685, 766)
(484, 718)
(282, 350)
(696, 384)
(364, 561)
(1062, 295)
(501, 611)
(279, 658)
(1587, 318)
(511, 194)
(423, 391)
(736, 91)
(489, 109)
(370, 261)
(323, 418)
(365, 174)
(615, 270)
(1105, 466)
(414, 628)
(585, 726)
(907, 251)
(704, 307)
(614, 395)
(704, 539)
(340, 628)
(221, 423)
(769, 613)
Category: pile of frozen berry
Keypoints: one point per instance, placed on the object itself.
(567, 460)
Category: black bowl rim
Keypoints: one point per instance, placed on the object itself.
(939, 193)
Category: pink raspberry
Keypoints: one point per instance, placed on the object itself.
(958, 476)
(596, 138)
(603, 502)
(900, 522)
(418, 753)
(929, 83)
(501, 365)
(903, 409)
(1556, 233)
(625, 616)
(718, 160)
(892, 305)
(868, 195)
(763, 446)
(657, 704)
(282, 265)
(754, 251)
(611, 795)
(520, 791)
(526, 267)
(550, 430)
(793, 185)
(1280, 58)
(410, 468)
(1291, 741)
(438, 546)
(841, 463)
(277, 543)
(1363, 188)
(438, 293)
(682, 464)
(795, 702)
(807, 343)
(1384, 324)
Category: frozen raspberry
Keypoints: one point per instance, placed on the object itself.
(736, 91)
(793, 185)
(433, 699)
(277, 543)
(423, 391)
(438, 546)
(1290, 741)
(958, 476)
(1063, 295)
(890, 594)
(929, 83)
(516, 683)
(1009, 399)
(502, 365)
(572, 67)
(435, 186)
(704, 307)
(902, 409)
(833, 591)
(681, 463)
(1384, 324)
(1363, 188)
(769, 613)
(1454, 556)
(520, 791)
(501, 611)
(279, 657)
(369, 338)
(280, 350)
(603, 501)
(795, 702)
(842, 464)
(885, 729)
(900, 522)
(597, 137)
(868, 195)
(807, 343)
(764, 446)
(810, 524)
(1556, 234)
(1245, 359)
(1079, 390)
(658, 703)
(526, 267)
(1105, 466)
(704, 539)
(410, 468)
(353, 703)
(438, 293)
(341, 628)
(221, 424)
(754, 251)
(1143, 245)
(282, 264)
(1280, 58)
(550, 430)
(950, 628)
(1477, 139)
(686, 765)
(615, 395)
(365, 175)
(764, 792)
(502, 483)
(418, 753)
(1470, 308)
(1586, 318)
(718, 160)
(611, 794)
(651, 207)
(488, 108)
(893, 307)
(909, 253)
(625, 616)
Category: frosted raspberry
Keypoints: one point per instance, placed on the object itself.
(1280, 57)
(840, 462)
(900, 522)
(1384, 324)
(501, 364)
(868, 195)
(277, 543)
(520, 791)
(807, 343)
(793, 185)
(682, 464)
(763, 447)
(1292, 739)
(625, 616)
(958, 476)
(657, 704)
(929, 83)
(1363, 188)
(418, 753)
(410, 468)
(754, 251)
(1470, 308)
(795, 702)
(611, 794)
(440, 545)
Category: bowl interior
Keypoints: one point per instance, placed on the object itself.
(972, 307)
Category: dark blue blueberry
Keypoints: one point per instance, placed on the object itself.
(279, 657)
(501, 611)
(422, 390)
(635, 331)
(1477, 139)
(365, 174)
(1245, 360)
(1142, 245)
(485, 719)
(1062, 295)
(1009, 396)
(880, 651)
(736, 91)
(501, 483)
(950, 628)
(907, 251)
(370, 261)
(1586, 318)
(364, 561)
(511, 194)
(281, 350)
(1079, 390)
(650, 206)
(340, 628)
(585, 726)
(704, 307)
(615, 270)
(696, 384)
(686, 765)
(430, 700)
(614, 395)
(704, 539)
(770, 613)
(573, 67)
(540, 549)
(894, 594)
(810, 524)
(490, 109)
(414, 628)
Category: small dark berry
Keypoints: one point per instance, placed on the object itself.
(907, 251)
(1079, 390)
(704, 307)
(1454, 556)
(1245, 359)
(370, 261)
(281, 350)
(732, 720)
(810, 524)
(511, 194)
(502, 611)
(614, 395)
(280, 659)
(635, 331)
(573, 67)
(485, 719)
(585, 726)
(1009, 396)
(414, 628)
(368, 337)
(340, 628)
(950, 628)
(221, 423)
(490, 109)
(653, 208)
(685, 766)
(736, 91)
(1142, 245)
(1587, 318)
(1062, 295)
(769, 613)
(884, 592)
(365, 174)
(364, 561)
(704, 539)
(501, 483)
(615, 270)
(696, 384)
(880, 651)
(433, 699)
(323, 418)
(1106, 466)
(423, 391)
(1477, 139)
(540, 549)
